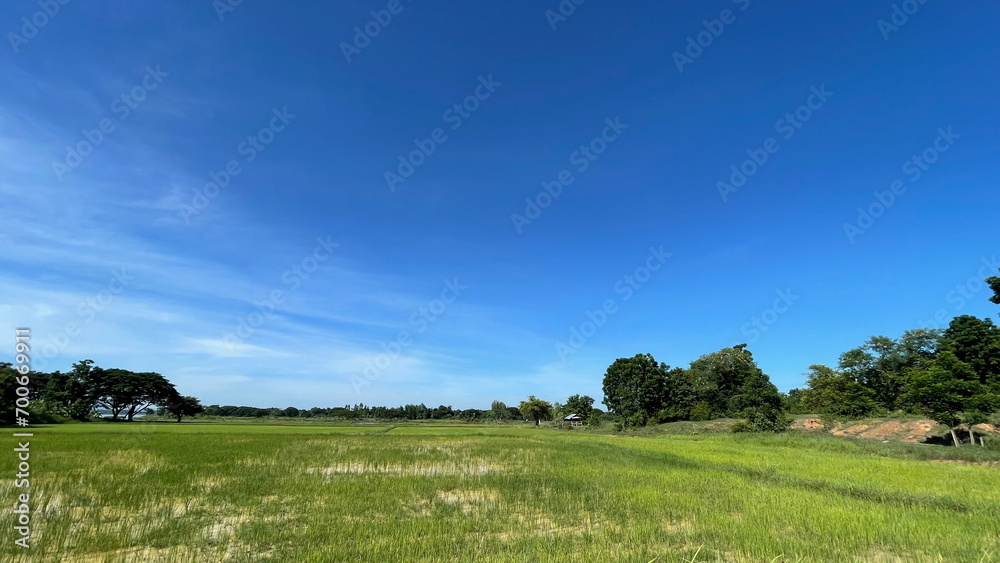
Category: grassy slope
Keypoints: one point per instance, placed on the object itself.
(201, 492)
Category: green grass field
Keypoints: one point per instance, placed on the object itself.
(220, 492)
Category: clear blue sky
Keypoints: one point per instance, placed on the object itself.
(112, 254)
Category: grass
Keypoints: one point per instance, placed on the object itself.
(222, 492)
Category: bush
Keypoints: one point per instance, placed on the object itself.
(594, 420)
(701, 411)
(763, 420)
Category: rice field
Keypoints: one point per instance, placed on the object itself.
(220, 492)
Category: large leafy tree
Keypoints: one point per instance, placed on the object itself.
(129, 393)
(948, 390)
(994, 283)
(634, 388)
(758, 402)
(8, 386)
(536, 409)
(833, 392)
(499, 411)
(976, 342)
(579, 404)
(680, 398)
(72, 394)
(717, 377)
(182, 405)
(881, 363)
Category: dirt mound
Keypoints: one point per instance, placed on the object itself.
(809, 424)
(910, 431)
(899, 430)
(988, 428)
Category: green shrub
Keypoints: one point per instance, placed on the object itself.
(701, 411)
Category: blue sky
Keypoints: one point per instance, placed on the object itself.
(283, 285)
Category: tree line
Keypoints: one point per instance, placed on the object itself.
(951, 376)
(724, 384)
(86, 390)
(498, 412)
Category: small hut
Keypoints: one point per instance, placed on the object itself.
(575, 419)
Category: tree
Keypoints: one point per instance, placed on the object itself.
(634, 388)
(680, 398)
(881, 363)
(976, 342)
(122, 391)
(72, 394)
(536, 409)
(793, 401)
(594, 420)
(948, 390)
(498, 410)
(579, 404)
(8, 388)
(834, 392)
(759, 403)
(183, 405)
(994, 283)
(715, 378)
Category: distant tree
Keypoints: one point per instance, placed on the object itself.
(579, 404)
(759, 403)
(514, 413)
(183, 405)
(994, 283)
(8, 388)
(680, 395)
(442, 412)
(498, 410)
(881, 363)
(833, 392)
(594, 420)
(793, 401)
(72, 394)
(536, 409)
(717, 377)
(948, 390)
(129, 393)
(701, 411)
(976, 342)
(634, 388)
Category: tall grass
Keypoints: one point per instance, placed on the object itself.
(214, 492)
